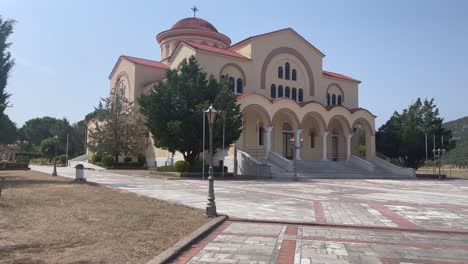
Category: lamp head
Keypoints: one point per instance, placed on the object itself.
(211, 114)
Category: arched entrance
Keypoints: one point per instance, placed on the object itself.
(362, 140)
(313, 128)
(255, 122)
(338, 134)
(285, 125)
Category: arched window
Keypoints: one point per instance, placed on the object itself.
(273, 91)
(339, 99)
(294, 75)
(328, 99)
(334, 99)
(239, 85)
(287, 70)
(294, 94)
(280, 91)
(261, 130)
(312, 138)
(280, 72)
(300, 96)
(232, 83)
(287, 92)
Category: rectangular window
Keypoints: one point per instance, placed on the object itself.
(260, 136)
(312, 139)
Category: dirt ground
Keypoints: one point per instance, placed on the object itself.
(45, 219)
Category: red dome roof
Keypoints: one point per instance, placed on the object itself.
(194, 23)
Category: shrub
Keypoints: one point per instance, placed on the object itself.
(7, 165)
(127, 159)
(62, 158)
(166, 168)
(182, 166)
(96, 158)
(99, 163)
(107, 161)
(41, 161)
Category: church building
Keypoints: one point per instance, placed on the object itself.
(285, 95)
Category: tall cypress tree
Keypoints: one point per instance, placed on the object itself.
(6, 61)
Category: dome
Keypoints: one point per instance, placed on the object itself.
(194, 23)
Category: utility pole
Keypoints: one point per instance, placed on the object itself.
(66, 153)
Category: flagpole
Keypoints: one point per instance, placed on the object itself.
(66, 154)
(203, 152)
(425, 136)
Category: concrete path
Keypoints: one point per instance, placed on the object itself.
(407, 204)
(256, 243)
(360, 221)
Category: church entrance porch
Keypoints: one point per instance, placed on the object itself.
(287, 150)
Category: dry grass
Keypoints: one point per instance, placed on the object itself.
(451, 172)
(45, 219)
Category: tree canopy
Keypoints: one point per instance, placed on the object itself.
(119, 130)
(8, 130)
(6, 61)
(174, 110)
(402, 138)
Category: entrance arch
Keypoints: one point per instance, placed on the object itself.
(285, 124)
(362, 140)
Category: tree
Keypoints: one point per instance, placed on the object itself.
(402, 138)
(8, 130)
(37, 129)
(48, 146)
(173, 110)
(6, 62)
(119, 130)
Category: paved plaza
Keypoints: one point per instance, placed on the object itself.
(361, 221)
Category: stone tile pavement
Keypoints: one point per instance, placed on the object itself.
(256, 243)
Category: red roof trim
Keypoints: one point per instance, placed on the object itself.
(150, 63)
(211, 49)
(340, 76)
(328, 108)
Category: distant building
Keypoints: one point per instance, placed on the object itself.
(282, 88)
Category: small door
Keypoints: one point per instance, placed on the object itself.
(287, 150)
(334, 148)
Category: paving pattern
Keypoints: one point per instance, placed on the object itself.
(360, 221)
(256, 243)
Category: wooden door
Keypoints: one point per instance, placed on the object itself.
(287, 150)
(334, 148)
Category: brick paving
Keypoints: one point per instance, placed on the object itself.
(256, 243)
(439, 208)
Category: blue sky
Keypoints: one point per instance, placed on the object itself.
(400, 50)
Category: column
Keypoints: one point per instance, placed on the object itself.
(324, 145)
(348, 146)
(297, 142)
(268, 139)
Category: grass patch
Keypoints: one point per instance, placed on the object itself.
(45, 219)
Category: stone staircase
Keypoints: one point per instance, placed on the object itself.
(331, 170)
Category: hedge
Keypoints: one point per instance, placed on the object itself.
(7, 165)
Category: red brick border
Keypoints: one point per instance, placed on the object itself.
(288, 247)
(319, 213)
(192, 252)
(394, 217)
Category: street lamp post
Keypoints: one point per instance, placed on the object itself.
(438, 153)
(211, 205)
(54, 173)
(295, 147)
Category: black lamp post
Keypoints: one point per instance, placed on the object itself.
(211, 205)
(54, 173)
(438, 153)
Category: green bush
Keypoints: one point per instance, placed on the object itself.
(182, 166)
(62, 158)
(96, 158)
(107, 161)
(166, 168)
(7, 165)
(41, 161)
(99, 163)
(127, 159)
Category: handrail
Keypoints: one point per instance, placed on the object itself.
(362, 163)
(394, 168)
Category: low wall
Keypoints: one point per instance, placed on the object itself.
(247, 165)
(394, 168)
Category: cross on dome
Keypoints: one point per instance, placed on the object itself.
(195, 10)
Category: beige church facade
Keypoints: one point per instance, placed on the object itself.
(283, 91)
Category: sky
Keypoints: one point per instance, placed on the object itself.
(400, 50)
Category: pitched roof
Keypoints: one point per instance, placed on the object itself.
(340, 76)
(220, 51)
(150, 63)
(272, 32)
